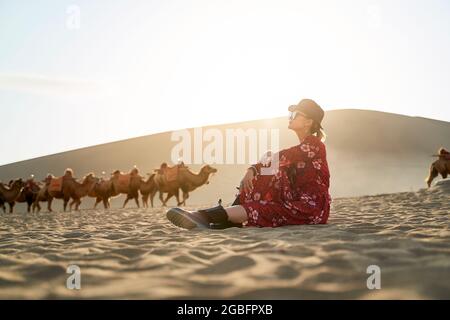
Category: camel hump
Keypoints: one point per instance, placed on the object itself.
(55, 184)
(171, 173)
(124, 179)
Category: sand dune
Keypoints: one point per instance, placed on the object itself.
(136, 253)
(369, 152)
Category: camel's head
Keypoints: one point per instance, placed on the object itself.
(442, 151)
(209, 169)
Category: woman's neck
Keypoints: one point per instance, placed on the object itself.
(302, 135)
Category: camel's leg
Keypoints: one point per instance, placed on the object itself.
(36, 206)
(152, 196)
(97, 201)
(11, 207)
(145, 201)
(66, 201)
(3, 207)
(185, 197)
(433, 174)
(177, 196)
(136, 199)
(161, 199)
(126, 201)
(29, 206)
(77, 205)
(49, 204)
(75, 201)
(169, 195)
(106, 203)
(71, 204)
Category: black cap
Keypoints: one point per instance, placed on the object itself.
(311, 109)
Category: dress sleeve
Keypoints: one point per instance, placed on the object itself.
(307, 152)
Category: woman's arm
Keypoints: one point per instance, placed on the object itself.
(263, 162)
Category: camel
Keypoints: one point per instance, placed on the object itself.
(185, 180)
(102, 192)
(29, 193)
(9, 194)
(440, 166)
(128, 184)
(71, 189)
(148, 190)
(82, 189)
(42, 194)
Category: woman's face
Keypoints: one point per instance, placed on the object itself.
(300, 122)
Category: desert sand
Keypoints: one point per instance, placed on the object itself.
(137, 253)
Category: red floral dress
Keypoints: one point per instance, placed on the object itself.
(296, 193)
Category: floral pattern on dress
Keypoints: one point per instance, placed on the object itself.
(275, 201)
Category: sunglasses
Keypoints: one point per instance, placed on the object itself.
(294, 114)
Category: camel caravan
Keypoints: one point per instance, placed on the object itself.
(166, 180)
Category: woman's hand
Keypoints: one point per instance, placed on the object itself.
(247, 181)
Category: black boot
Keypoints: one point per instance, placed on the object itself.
(212, 218)
(218, 218)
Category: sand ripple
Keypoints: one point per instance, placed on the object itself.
(136, 253)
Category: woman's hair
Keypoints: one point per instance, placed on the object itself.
(319, 133)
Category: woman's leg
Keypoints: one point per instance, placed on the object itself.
(236, 214)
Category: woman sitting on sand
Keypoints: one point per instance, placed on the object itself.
(295, 193)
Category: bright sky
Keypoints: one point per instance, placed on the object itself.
(132, 68)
